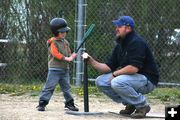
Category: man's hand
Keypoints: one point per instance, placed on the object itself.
(101, 67)
(85, 55)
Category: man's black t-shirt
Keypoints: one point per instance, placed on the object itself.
(134, 50)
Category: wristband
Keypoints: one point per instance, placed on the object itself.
(113, 75)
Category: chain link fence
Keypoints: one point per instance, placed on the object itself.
(24, 30)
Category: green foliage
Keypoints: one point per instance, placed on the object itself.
(167, 94)
(34, 90)
(17, 89)
(163, 94)
(91, 90)
(28, 21)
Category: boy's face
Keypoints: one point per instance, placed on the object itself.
(62, 35)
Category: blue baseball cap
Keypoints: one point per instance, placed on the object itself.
(124, 20)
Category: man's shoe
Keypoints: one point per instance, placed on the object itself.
(141, 112)
(40, 108)
(129, 109)
(70, 105)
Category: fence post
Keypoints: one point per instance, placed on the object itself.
(80, 32)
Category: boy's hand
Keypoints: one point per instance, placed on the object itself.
(71, 58)
(74, 55)
(68, 59)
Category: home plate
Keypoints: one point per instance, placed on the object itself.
(148, 115)
(155, 115)
(83, 113)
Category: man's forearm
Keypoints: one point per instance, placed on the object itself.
(126, 70)
(101, 67)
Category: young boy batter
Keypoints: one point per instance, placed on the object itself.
(59, 56)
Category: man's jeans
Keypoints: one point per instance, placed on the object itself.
(126, 89)
(54, 77)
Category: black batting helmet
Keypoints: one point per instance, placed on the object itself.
(58, 25)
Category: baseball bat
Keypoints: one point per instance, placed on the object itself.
(85, 36)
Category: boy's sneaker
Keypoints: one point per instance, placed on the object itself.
(42, 105)
(70, 105)
(40, 108)
(141, 112)
(129, 109)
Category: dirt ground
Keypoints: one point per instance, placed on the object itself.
(24, 108)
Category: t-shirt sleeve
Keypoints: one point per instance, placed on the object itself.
(54, 51)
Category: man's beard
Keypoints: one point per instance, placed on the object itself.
(119, 38)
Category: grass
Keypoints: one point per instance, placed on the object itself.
(166, 94)
(17, 89)
(163, 94)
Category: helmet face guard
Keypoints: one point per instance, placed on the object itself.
(58, 25)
